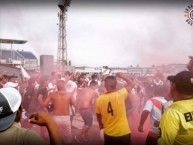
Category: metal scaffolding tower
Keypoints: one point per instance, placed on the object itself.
(62, 57)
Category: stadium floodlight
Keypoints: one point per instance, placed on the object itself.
(63, 4)
(62, 57)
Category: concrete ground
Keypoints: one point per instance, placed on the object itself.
(137, 138)
(77, 124)
(94, 137)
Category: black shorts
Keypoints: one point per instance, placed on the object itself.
(86, 115)
(151, 140)
(121, 140)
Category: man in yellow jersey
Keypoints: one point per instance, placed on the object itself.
(111, 112)
(176, 125)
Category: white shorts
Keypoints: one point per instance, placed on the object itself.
(64, 125)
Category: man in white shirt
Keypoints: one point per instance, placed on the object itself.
(153, 107)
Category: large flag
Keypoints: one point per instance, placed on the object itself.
(106, 71)
(24, 73)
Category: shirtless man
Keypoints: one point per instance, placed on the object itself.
(61, 101)
(85, 109)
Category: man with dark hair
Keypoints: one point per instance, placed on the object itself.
(10, 114)
(153, 107)
(82, 81)
(176, 125)
(85, 101)
(61, 100)
(111, 112)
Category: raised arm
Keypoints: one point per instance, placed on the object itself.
(190, 64)
(44, 119)
(129, 83)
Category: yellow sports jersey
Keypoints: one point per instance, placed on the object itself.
(111, 107)
(176, 125)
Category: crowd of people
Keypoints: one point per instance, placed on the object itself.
(51, 101)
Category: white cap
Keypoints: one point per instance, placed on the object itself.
(10, 101)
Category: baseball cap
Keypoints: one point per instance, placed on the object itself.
(183, 81)
(10, 101)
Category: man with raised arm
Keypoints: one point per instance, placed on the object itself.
(111, 112)
(85, 103)
(153, 108)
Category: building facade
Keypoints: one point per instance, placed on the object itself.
(16, 58)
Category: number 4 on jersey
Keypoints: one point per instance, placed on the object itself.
(110, 109)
